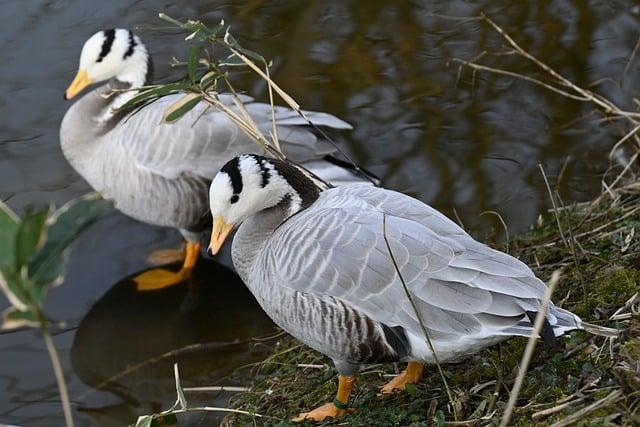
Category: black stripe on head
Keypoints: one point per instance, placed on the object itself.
(232, 168)
(132, 45)
(109, 36)
(266, 173)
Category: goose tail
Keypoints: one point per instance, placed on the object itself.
(339, 172)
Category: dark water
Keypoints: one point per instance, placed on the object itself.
(471, 145)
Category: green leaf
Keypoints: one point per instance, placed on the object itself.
(14, 319)
(9, 225)
(156, 92)
(233, 43)
(194, 57)
(11, 282)
(209, 81)
(16, 289)
(144, 421)
(30, 237)
(181, 107)
(48, 264)
(198, 30)
(233, 60)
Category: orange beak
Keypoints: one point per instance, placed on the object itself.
(219, 234)
(81, 81)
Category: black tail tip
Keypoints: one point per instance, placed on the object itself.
(547, 333)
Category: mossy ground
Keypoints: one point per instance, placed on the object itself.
(600, 273)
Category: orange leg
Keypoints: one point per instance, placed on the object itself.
(411, 375)
(335, 409)
(159, 278)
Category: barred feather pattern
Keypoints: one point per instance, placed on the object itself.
(326, 277)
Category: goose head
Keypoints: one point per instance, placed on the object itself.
(111, 54)
(250, 183)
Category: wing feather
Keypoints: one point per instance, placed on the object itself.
(205, 138)
(462, 287)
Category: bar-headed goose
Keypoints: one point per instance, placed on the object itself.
(160, 173)
(317, 261)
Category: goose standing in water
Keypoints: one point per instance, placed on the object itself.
(160, 173)
(316, 259)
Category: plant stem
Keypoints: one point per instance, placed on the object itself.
(57, 369)
(419, 317)
(528, 351)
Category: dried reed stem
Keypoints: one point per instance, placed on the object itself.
(57, 370)
(419, 317)
(528, 351)
(613, 397)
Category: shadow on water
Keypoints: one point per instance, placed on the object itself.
(129, 340)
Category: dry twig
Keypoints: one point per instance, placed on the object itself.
(528, 352)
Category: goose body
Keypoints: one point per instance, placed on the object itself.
(317, 261)
(326, 277)
(160, 173)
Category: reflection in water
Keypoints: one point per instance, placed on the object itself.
(128, 341)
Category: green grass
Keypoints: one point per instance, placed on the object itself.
(602, 274)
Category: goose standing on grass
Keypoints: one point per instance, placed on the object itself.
(160, 173)
(316, 259)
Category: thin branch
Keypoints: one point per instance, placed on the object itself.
(57, 370)
(624, 171)
(550, 411)
(528, 352)
(418, 315)
(296, 107)
(613, 397)
(553, 203)
(521, 77)
(216, 388)
(604, 103)
(276, 140)
(504, 225)
(623, 139)
(631, 59)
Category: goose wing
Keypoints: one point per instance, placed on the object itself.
(461, 287)
(205, 138)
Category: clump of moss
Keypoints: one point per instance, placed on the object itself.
(600, 273)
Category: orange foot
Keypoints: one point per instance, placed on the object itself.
(159, 278)
(328, 410)
(411, 375)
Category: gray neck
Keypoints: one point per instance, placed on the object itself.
(123, 87)
(92, 116)
(251, 236)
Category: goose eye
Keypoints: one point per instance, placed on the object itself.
(234, 198)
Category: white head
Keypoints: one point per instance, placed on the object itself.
(114, 53)
(248, 184)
